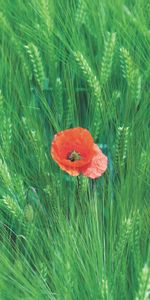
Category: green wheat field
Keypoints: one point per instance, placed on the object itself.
(66, 64)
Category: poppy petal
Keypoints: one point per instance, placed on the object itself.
(70, 171)
(78, 139)
(75, 139)
(92, 162)
(97, 166)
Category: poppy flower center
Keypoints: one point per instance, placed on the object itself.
(73, 156)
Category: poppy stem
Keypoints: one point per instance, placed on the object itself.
(78, 190)
(78, 181)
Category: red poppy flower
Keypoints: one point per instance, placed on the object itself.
(75, 152)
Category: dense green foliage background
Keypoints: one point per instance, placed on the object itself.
(65, 64)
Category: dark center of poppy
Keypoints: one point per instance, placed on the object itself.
(73, 156)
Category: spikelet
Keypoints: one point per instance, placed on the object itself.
(80, 13)
(59, 98)
(37, 146)
(144, 162)
(5, 175)
(121, 145)
(138, 89)
(112, 104)
(89, 75)
(36, 61)
(97, 104)
(28, 213)
(46, 15)
(104, 288)
(6, 128)
(107, 57)
(135, 238)
(43, 271)
(21, 55)
(48, 190)
(122, 240)
(33, 136)
(125, 234)
(70, 114)
(19, 188)
(131, 74)
(127, 66)
(144, 284)
(12, 206)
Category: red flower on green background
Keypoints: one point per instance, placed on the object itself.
(76, 153)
